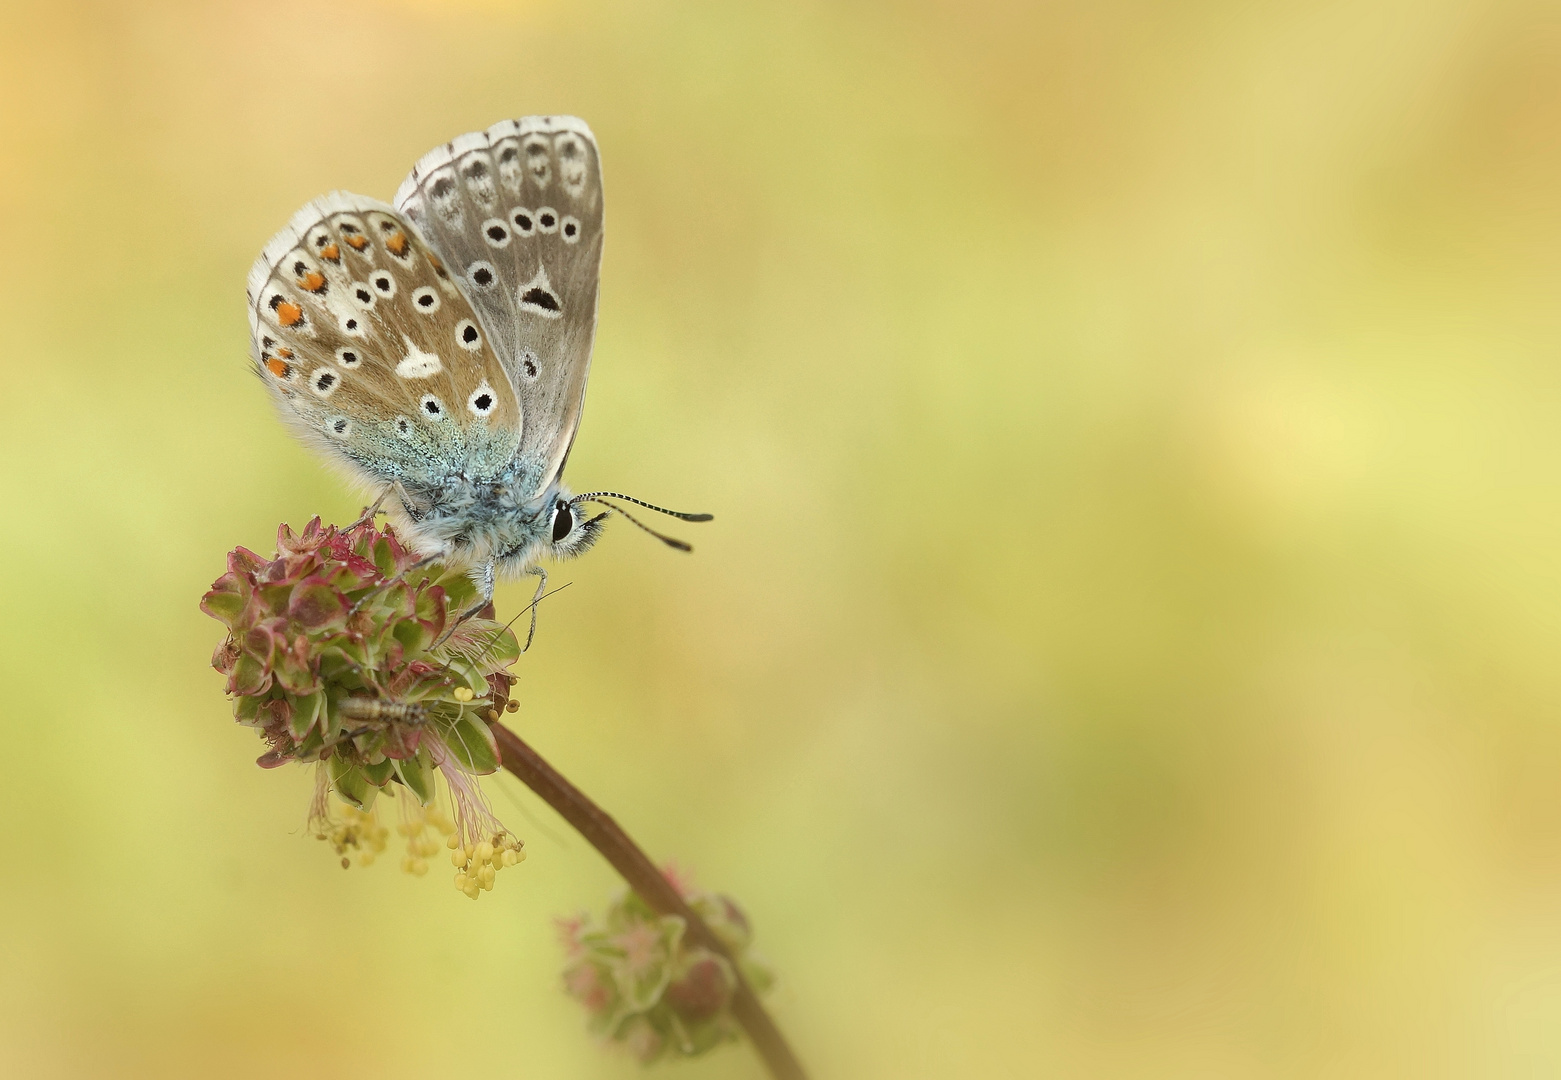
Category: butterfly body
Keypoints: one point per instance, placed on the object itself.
(437, 350)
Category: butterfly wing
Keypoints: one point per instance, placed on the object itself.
(373, 353)
(516, 214)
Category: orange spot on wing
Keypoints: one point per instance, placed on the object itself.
(278, 368)
(331, 252)
(397, 243)
(285, 353)
(314, 281)
(358, 242)
(289, 314)
(435, 260)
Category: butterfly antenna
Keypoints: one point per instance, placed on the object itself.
(597, 496)
(670, 541)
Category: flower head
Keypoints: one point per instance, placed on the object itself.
(646, 989)
(349, 651)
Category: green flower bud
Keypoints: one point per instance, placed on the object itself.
(647, 991)
(349, 651)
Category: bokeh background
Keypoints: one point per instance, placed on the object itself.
(1127, 642)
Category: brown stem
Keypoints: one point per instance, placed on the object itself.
(607, 837)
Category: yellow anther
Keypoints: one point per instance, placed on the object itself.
(419, 867)
(486, 875)
(366, 859)
(463, 693)
(457, 859)
(484, 852)
(453, 841)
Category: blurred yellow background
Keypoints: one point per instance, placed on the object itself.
(1126, 645)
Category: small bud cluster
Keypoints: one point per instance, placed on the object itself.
(646, 989)
(350, 651)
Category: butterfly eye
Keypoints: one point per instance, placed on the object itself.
(563, 521)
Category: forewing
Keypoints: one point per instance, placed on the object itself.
(375, 355)
(516, 213)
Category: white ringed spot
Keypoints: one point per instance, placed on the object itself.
(425, 300)
(481, 274)
(324, 381)
(496, 233)
(482, 402)
(467, 336)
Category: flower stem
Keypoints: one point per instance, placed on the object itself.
(626, 857)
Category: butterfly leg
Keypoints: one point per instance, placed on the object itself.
(535, 600)
(426, 560)
(369, 511)
(482, 577)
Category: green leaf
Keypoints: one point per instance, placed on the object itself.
(249, 676)
(306, 710)
(223, 604)
(316, 605)
(332, 725)
(469, 674)
(309, 749)
(459, 592)
(504, 650)
(350, 784)
(471, 743)
(385, 558)
(414, 637)
(380, 772)
(417, 781)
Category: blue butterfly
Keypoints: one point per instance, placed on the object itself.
(437, 350)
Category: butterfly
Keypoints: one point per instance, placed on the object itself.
(437, 349)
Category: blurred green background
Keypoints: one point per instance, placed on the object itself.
(1126, 645)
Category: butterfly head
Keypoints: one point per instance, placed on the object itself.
(571, 532)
